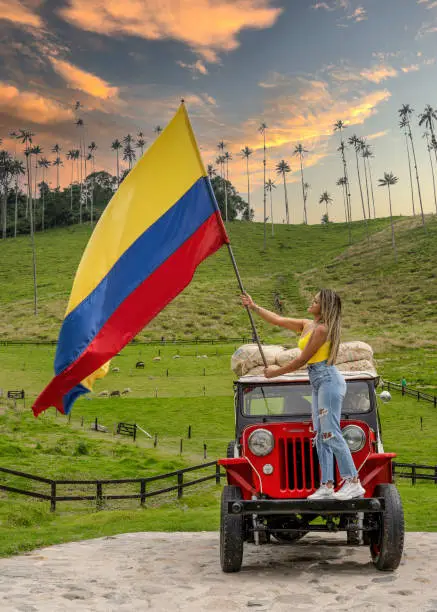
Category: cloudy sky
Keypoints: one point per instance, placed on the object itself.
(297, 65)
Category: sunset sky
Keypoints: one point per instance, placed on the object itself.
(297, 65)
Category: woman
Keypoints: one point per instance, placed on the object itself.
(319, 342)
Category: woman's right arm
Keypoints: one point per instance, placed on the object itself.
(296, 325)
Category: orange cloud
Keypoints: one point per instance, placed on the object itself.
(207, 26)
(412, 68)
(378, 73)
(374, 74)
(30, 106)
(19, 14)
(82, 80)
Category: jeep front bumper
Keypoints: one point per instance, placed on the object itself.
(303, 506)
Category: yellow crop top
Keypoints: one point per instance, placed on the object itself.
(320, 355)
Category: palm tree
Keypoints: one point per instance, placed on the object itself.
(283, 168)
(262, 129)
(81, 125)
(227, 158)
(405, 112)
(341, 182)
(129, 154)
(429, 148)
(339, 126)
(92, 148)
(367, 154)
(157, 130)
(222, 158)
(299, 151)
(270, 185)
(71, 155)
(246, 153)
(26, 138)
(326, 199)
(140, 143)
(356, 143)
(43, 163)
(403, 124)
(6, 175)
(57, 162)
(36, 150)
(389, 180)
(362, 149)
(116, 146)
(428, 117)
(211, 171)
(18, 169)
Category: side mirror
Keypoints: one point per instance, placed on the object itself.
(385, 396)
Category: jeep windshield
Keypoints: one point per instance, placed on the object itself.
(295, 399)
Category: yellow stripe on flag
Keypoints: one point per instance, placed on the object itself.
(146, 194)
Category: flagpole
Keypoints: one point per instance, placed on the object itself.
(237, 273)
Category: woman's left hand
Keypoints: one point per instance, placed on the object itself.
(270, 372)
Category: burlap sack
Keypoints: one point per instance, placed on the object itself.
(354, 351)
(362, 365)
(247, 357)
(259, 370)
(287, 356)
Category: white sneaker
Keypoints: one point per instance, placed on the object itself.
(349, 490)
(323, 492)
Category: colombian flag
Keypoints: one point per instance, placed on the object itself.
(161, 223)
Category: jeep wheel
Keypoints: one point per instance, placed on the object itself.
(387, 541)
(231, 532)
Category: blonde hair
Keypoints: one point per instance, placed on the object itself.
(330, 315)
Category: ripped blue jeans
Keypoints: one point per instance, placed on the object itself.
(329, 389)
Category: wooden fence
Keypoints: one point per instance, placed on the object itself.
(419, 395)
(99, 496)
(413, 474)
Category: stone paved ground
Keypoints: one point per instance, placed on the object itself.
(181, 571)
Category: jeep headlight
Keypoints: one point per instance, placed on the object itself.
(355, 437)
(261, 442)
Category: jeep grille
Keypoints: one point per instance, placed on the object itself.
(298, 464)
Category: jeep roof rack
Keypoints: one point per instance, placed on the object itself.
(303, 377)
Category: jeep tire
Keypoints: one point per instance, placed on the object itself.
(231, 532)
(387, 542)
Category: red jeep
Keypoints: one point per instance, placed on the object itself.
(272, 467)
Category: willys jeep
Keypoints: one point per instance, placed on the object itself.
(272, 467)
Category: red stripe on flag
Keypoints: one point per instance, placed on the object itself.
(138, 309)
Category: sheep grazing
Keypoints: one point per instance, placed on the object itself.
(115, 394)
(139, 364)
(156, 359)
(126, 391)
(103, 394)
(115, 369)
(176, 356)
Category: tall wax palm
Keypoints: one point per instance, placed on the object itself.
(221, 148)
(388, 181)
(157, 130)
(405, 113)
(282, 169)
(56, 149)
(299, 151)
(339, 126)
(18, 170)
(326, 199)
(6, 176)
(71, 155)
(341, 182)
(428, 117)
(36, 150)
(227, 158)
(44, 164)
(246, 153)
(26, 138)
(362, 150)
(367, 154)
(211, 171)
(356, 143)
(140, 142)
(81, 159)
(92, 148)
(403, 124)
(270, 185)
(129, 154)
(116, 146)
(429, 148)
(262, 129)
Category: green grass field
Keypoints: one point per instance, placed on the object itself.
(391, 306)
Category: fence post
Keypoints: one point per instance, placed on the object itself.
(180, 484)
(189, 431)
(217, 473)
(388, 385)
(421, 423)
(418, 395)
(413, 474)
(95, 424)
(435, 475)
(99, 495)
(155, 441)
(435, 401)
(181, 447)
(143, 492)
(135, 431)
(53, 496)
(204, 451)
(81, 422)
